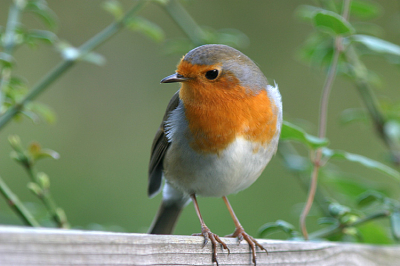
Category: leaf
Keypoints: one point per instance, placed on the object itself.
(69, 53)
(368, 28)
(40, 8)
(114, 7)
(34, 148)
(292, 132)
(318, 49)
(15, 142)
(369, 163)
(146, 27)
(344, 183)
(94, 58)
(6, 59)
(279, 225)
(35, 188)
(44, 111)
(376, 45)
(44, 180)
(36, 152)
(374, 233)
(32, 116)
(354, 115)
(337, 210)
(333, 22)
(392, 129)
(307, 12)
(369, 197)
(395, 224)
(364, 9)
(47, 153)
(42, 35)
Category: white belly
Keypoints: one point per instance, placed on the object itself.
(212, 175)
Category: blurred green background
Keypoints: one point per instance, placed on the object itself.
(107, 116)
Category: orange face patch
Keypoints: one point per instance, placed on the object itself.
(220, 110)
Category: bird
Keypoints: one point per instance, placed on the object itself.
(218, 133)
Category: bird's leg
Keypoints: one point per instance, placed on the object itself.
(207, 234)
(241, 234)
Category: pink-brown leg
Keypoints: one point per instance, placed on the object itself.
(241, 234)
(207, 234)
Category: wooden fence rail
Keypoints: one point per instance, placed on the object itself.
(32, 246)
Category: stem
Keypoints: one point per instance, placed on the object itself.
(63, 66)
(371, 103)
(310, 199)
(334, 229)
(46, 198)
(9, 44)
(288, 152)
(183, 19)
(322, 123)
(17, 205)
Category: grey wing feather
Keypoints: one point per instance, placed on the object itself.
(159, 149)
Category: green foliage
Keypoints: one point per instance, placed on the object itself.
(332, 22)
(328, 153)
(362, 202)
(395, 224)
(39, 183)
(146, 27)
(365, 9)
(292, 132)
(42, 11)
(16, 35)
(16, 98)
(279, 225)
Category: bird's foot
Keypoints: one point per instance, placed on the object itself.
(215, 239)
(241, 234)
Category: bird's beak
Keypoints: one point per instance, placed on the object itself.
(174, 78)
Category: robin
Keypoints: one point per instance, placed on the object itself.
(218, 133)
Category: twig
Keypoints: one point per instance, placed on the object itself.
(47, 199)
(322, 124)
(371, 103)
(288, 152)
(17, 205)
(183, 19)
(334, 229)
(62, 67)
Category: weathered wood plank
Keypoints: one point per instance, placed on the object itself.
(28, 246)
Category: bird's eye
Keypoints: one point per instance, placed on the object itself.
(212, 74)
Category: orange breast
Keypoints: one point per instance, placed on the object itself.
(220, 112)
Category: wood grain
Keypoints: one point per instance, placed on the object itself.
(28, 246)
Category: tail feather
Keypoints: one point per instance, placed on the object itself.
(165, 220)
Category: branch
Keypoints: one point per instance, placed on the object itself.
(17, 205)
(62, 67)
(379, 120)
(183, 19)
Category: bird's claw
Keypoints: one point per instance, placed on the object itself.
(241, 234)
(215, 239)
